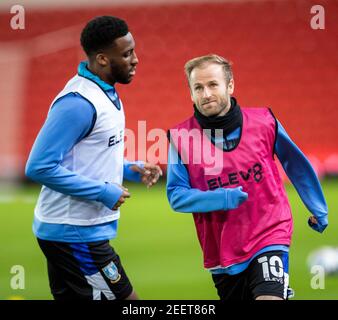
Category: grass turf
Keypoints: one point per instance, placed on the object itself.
(158, 248)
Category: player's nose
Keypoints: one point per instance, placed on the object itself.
(206, 93)
(134, 61)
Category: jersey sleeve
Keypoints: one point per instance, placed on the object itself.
(302, 175)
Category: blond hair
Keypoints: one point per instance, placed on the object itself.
(208, 59)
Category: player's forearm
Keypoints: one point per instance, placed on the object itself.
(67, 182)
(129, 174)
(193, 200)
(305, 181)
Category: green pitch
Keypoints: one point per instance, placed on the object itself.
(158, 247)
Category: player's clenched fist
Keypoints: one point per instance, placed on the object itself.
(125, 194)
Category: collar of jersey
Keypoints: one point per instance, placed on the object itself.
(83, 71)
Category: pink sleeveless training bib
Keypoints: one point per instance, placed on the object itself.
(233, 236)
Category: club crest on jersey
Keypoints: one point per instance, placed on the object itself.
(111, 272)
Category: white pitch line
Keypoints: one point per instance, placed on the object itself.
(6, 199)
(12, 198)
(28, 199)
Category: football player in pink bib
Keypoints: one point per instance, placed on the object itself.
(222, 168)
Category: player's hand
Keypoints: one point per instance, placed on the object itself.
(235, 197)
(317, 225)
(125, 194)
(150, 173)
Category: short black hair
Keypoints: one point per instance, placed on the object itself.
(100, 32)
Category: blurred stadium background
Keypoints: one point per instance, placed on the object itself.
(278, 61)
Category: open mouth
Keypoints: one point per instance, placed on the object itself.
(132, 72)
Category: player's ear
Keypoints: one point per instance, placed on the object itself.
(102, 59)
(231, 86)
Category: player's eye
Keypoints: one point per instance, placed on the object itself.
(128, 53)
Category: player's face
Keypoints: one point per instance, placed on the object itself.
(122, 60)
(209, 90)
